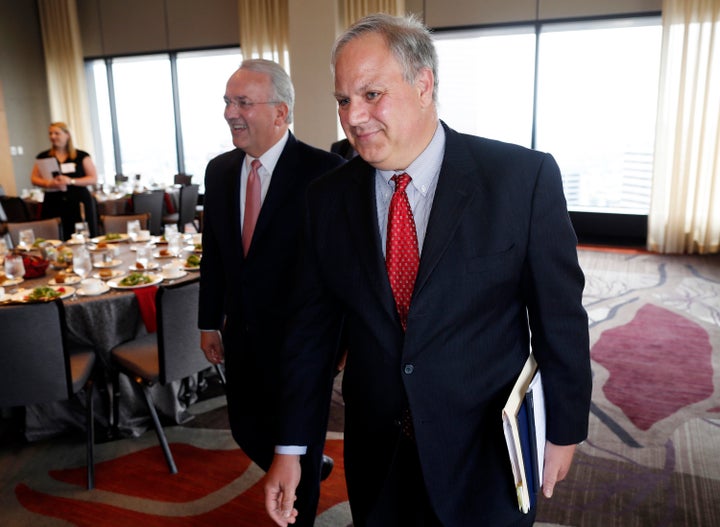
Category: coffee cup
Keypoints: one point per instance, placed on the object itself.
(172, 270)
(143, 235)
(92, 286)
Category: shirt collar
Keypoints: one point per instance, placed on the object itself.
(426, 166)
(270, 158)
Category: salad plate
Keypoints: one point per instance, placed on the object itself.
(43, 293)
(136, 280)
(104, 288)
(69, 280)
(107, 265)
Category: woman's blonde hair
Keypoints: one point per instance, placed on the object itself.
(72, 153)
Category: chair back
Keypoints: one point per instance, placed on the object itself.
(120, 178)
(118, 223)
(188, 202)
(182, 179)
(49, 229)
(16, 210)
(34, 367)
(152, 203)
(178, 334)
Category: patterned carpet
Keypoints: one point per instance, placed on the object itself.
(652, 458)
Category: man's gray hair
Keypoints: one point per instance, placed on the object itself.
(283, 89)
(408, 39)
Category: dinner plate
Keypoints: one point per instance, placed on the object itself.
(116, 273)
(104, 288)
(150, 267)
(191, 268)
(155, 279)
(98, 239)
(107, 265)
(54, 243)
(163, 256)
(108, 247)
(21, 296)
(69, 280)
(179, 275)
(11, 282)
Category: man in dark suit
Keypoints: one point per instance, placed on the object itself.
(424, 385)
(247, 274)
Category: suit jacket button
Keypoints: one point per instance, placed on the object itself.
(409, 369)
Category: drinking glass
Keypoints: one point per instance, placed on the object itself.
(133, 231)
(82, 263)
(26, 238)
(169, 230)
(144, 256)
(14, 267)
(175, 244)
(83, 229)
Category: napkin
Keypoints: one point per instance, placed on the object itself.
(146, 301)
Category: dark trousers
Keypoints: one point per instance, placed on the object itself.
(403, 502)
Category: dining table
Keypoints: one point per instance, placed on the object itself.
(105, 318)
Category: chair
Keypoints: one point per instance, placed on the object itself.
(186, 208)
(118, 223)
(171, 354)
(120, 178)
(182, 179)
(49, 229)
(15, 208)
(151, 202)
(39, 367)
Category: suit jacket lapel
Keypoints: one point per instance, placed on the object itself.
(233, 201)
(282, 184)
(362, 219)
(455, 190)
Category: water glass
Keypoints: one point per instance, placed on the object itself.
(14, 267)
(26, 238)
(82, 263)
(144, 256)
(133, 231)
(175, 244)
(169, 230)
(82, 229)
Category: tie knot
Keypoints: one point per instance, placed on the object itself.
(401, 181)
(256, 164)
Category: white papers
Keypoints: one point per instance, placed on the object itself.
(524, 427)
(47, 166)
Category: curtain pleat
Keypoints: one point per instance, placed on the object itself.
(65, 68)
(685, 203)
(352, 10)
(264, 30)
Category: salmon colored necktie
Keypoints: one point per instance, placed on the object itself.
(252, 205)
(401, 252)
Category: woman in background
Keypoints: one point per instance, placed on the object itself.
(67, 189)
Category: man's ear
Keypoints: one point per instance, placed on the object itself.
(281, 113)
(425, 83)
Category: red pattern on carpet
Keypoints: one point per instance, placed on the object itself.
(201, 472)
(659, 362)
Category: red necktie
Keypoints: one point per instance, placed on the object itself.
(401, 252)
(252, 205)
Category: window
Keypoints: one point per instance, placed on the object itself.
(596, 88)
(486, 82)
(157, 115)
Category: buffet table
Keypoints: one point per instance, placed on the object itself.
(103, 321)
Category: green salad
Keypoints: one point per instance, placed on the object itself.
(135, 279)
(193, 260)
(44, 293)
(113, 236)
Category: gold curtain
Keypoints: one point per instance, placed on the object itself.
(65, 68)
(685, 205)
(352, 10)
(264, 30)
